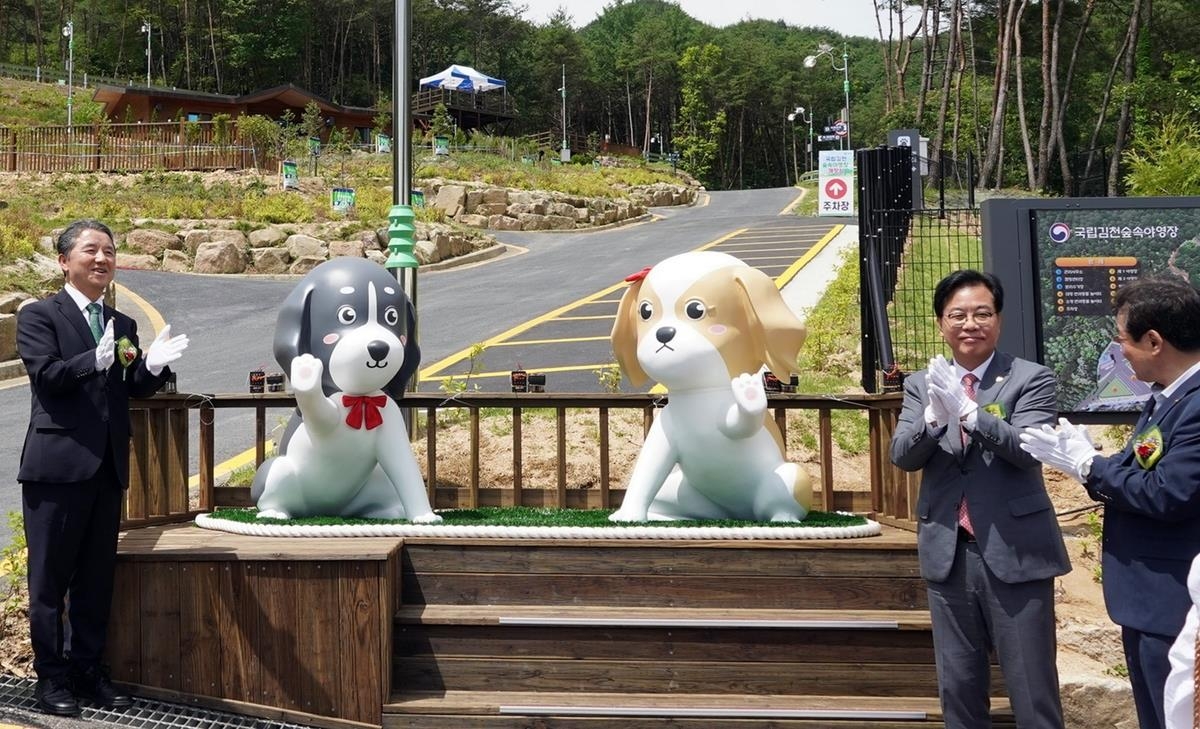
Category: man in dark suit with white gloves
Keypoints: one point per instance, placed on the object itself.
(1151, 489)
(84, 364)
(987, 540)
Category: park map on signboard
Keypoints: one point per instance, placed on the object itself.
(1083, 257)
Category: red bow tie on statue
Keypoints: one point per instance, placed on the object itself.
(364, 409)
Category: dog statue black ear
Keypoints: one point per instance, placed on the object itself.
(292, 330)
(412, 356)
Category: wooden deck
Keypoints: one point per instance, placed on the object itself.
(511, 633)
(298, 628)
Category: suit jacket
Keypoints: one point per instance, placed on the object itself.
(1011, 512)
(1152, 517)
(77, 413)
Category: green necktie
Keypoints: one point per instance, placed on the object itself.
(94, 321)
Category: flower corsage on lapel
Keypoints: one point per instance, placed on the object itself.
(997, 409)
(1148, 447)
(127, 354)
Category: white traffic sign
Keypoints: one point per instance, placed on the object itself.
(839, 128)
(835, 184)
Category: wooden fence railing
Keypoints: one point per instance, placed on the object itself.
(159, 490)
(111, 147)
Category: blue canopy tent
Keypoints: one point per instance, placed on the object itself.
(462, 78)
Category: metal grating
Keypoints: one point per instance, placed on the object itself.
(144, 714)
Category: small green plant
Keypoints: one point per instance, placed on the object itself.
(609, 377)
(1119, 670)
(14, 567)
(1095, 533)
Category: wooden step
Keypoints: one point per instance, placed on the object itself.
(599, 616)
(590, 710)
(617, 675)
(794, 575)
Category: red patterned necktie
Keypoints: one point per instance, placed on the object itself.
(364, 410)
(964, 519)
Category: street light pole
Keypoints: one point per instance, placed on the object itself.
(146, 30)
(825, 49)
(563, 152)
(805, 116)
(68, 32)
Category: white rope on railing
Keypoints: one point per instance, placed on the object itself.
(207, 521)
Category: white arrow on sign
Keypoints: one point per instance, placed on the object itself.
(835, 188)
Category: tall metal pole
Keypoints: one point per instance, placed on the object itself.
(846, 91)
(69, 32)
(564, 112)
(146, 30)
(401, 221)
(810, 141)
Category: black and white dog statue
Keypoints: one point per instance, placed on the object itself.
(343, 335)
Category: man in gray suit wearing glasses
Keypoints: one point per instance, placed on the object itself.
(987, 538)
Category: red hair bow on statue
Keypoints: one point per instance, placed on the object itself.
(639, 275)
(364, 409)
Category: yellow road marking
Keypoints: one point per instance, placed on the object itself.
(793, 269)
(506, 373)
(792, 205)
(156, 320)
(432, 371)
(242, 459)
(586, 318)
(515, 342)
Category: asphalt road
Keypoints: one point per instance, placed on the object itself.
(230, 319)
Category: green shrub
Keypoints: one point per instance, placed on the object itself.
(18, 233)
(277, 207)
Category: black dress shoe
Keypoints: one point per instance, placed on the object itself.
(54, 697)
(93, 685)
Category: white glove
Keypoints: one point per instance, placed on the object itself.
(936, 411)
(164, 350)
(1069, 449)
(106, 348)
(947, 385)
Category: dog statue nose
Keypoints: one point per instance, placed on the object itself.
(665, 334)
(377, 349)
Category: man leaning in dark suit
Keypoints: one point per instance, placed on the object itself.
(84, 364)
(987, 540)
(1151, 489)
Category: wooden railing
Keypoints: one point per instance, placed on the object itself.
(123, 148)
(487, 102)
(159, 461)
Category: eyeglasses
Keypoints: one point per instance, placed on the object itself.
(982, 318)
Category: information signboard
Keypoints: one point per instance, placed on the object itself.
(1084, 257)
(342, 199)
(835, 184)
(1062, 263)
(289, 173)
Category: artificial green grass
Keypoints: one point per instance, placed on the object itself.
(524, 516)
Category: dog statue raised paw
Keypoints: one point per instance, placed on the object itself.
(343, 337)
(705, 324)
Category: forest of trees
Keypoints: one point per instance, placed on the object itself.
(1047, 94)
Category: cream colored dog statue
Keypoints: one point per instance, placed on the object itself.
(704, 324)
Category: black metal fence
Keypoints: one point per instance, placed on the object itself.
(904, 252)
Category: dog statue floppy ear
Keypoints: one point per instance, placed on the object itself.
(776, 332)
(292, 331)
(412, 356)
(624, 332)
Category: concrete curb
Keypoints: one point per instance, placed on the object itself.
(11, 369)
(472, 257)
